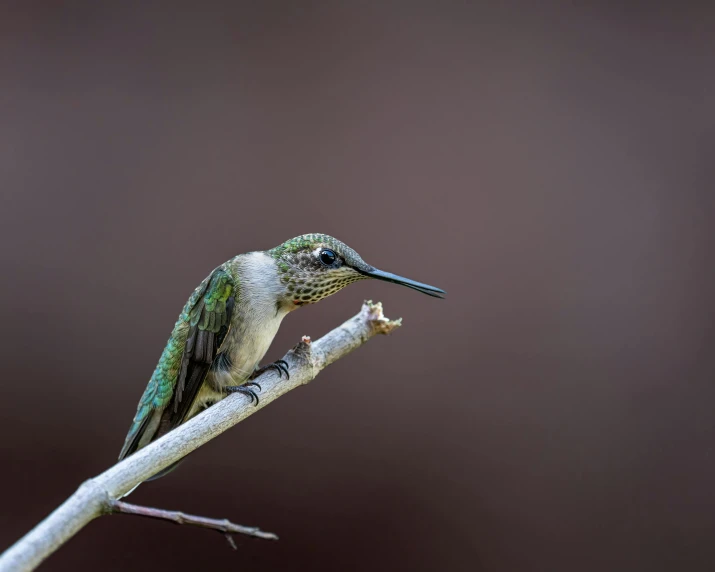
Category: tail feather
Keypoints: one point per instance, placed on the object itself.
(141, 433)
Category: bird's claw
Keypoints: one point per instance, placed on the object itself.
(245, 389)
(281, 366)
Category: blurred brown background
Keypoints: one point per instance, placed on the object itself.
(550, 167)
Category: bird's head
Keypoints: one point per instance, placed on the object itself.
(314, 266)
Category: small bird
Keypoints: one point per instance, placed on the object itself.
(229, 322)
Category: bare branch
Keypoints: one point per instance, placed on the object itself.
(95, 497)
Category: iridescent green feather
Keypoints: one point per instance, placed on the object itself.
(307, 242)
(207, 301)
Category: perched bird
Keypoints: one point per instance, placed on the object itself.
(229, 322)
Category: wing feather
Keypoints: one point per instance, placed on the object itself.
(194, 343)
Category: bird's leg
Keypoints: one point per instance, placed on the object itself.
(281, 366)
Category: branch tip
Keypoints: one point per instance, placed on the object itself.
(373, 313)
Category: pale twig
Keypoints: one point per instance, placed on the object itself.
(95, 496)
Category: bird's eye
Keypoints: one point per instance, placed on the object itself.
(327, 257)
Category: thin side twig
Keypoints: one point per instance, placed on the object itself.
(224, 526)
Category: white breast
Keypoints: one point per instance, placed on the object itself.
(256, 315)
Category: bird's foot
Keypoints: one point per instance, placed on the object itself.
(281, 366)
(245, 389)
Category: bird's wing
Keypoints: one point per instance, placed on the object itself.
(187, 358)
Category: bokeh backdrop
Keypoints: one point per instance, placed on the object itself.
(551, 167)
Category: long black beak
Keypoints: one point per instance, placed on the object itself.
(390, 277)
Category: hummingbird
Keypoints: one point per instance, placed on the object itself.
(229, 322)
